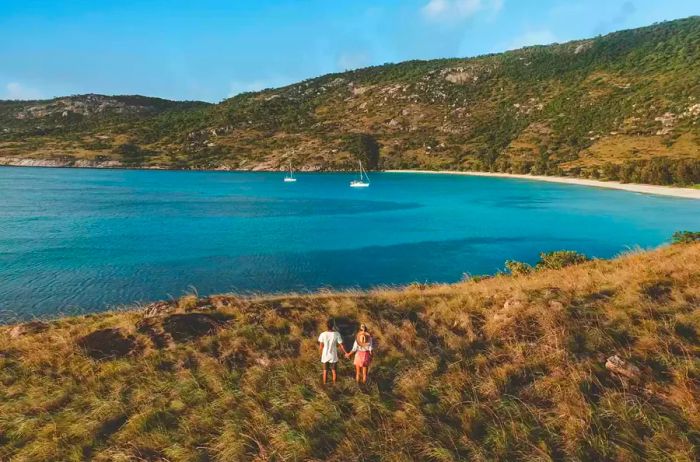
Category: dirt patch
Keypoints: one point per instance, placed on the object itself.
(657, 291)
(188, 326)
(107, 344)
(153, 330)
(237, 359)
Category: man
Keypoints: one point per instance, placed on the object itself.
(328, 343)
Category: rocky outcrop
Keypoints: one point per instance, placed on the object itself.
(31, 327)
(88, 105)
(157, 309)
(68, 162)
(622, 368)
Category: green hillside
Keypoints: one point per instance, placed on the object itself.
(625, 106)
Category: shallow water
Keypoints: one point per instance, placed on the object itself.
(81, 239)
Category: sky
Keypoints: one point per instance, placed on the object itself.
(212, 49)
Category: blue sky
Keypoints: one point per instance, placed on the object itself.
(212, 49)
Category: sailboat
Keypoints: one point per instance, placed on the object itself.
(363, 181)
(290, 178)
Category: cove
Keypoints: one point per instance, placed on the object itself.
(75, 240)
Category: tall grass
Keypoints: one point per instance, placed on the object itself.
(504, 368)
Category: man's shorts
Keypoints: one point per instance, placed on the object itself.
(328, 365)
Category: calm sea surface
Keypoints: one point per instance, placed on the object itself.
(78, 239)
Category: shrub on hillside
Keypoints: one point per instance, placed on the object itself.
(364, 147)
(560, 259)
(685, 237)
(133, 155)
(661, 170)
(518, 268)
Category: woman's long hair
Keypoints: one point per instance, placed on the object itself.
(363, 336)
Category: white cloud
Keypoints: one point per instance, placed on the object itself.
(242, 86)
(457, 10)
(534, 37)
(435, 8)
(15, 90)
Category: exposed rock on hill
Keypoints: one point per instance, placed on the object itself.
(625, 106)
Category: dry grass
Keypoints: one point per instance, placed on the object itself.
(616, 149)
(506, 368)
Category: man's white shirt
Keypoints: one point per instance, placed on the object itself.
(330, 341)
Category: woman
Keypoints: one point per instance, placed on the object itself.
(362, 348)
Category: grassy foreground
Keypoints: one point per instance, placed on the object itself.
(506, 368)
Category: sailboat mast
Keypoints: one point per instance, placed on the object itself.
(360, 183)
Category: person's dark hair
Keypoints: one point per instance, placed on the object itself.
(330, 323)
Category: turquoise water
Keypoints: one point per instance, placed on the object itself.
(79, 239)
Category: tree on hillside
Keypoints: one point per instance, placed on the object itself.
(133, 155)
(364, 147)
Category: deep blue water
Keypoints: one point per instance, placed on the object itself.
(79, 239)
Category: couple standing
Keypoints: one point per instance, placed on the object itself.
(328, 343)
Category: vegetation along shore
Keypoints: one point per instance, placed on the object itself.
(572, 359)
(687, 193)
(621, 107)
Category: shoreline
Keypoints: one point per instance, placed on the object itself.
(668, 191)
(658, 190)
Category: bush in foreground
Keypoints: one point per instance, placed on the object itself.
(560, 259)
(548, 260)
(685, 237)
(518, 268)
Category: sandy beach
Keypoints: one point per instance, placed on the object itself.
(686, 193)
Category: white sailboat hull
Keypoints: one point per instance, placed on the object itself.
(359, 184)
(290, 178)
(363, 181)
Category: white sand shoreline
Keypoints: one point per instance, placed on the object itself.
(668, 191)
(686, 193)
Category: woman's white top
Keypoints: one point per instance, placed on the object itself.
(368, 347)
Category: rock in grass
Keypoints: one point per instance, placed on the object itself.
(31, 327)
(513, 304)
(621, 367)
(107, 344)
(555, 305)
(156, 308)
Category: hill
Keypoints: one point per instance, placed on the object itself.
(624, 106)
(83, 130)
(596, 361)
